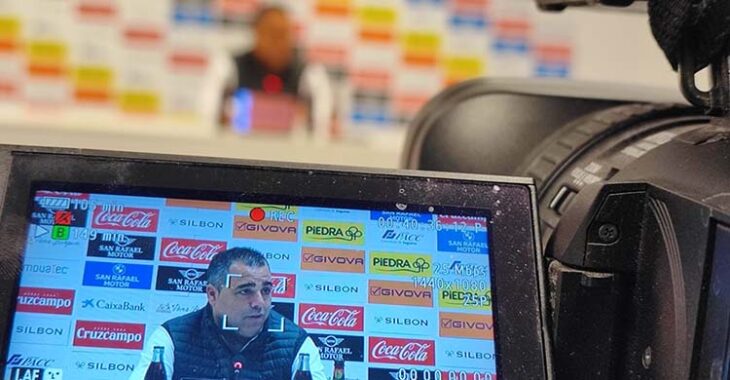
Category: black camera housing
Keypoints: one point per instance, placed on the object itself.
(634, 205)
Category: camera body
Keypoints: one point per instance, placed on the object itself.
(637, 264)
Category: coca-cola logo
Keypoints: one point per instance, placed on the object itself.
(330, 317)
(125, 218)
(402, 351)
(190, 251)
(284, 285)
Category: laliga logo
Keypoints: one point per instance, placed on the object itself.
(134, 219)
(409, 352)
(338, 318)
(202, 251)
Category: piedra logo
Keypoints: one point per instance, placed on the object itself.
(400, 264)
(334, 232)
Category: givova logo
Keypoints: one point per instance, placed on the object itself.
(400, 264)
(334, 232)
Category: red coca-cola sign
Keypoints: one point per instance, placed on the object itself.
(284, 285)
(402, 351)
(125, 218)
(190, 251)
(331, 317)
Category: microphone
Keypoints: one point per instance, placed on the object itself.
(237, 368)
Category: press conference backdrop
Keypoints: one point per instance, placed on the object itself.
(164, 58)
(397, 295)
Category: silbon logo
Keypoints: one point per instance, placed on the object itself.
(102, 366)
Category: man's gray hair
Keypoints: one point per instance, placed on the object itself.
(220, 265)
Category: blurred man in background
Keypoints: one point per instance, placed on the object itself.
(273, 88)
(272, 66)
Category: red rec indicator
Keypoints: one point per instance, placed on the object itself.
(257, 214)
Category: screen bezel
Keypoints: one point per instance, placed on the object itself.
(517, 279)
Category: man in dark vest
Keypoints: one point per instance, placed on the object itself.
(272, 65)
(274, 76)
(237, 335)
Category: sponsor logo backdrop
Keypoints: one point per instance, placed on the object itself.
(103, 271)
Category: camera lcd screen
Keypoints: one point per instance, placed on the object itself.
(386, 292)
(174, 269)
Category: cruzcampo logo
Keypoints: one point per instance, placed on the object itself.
(334, 232)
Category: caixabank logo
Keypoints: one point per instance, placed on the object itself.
(45, 301)
(402, 351)
(128, 336)
(331, 317)
(177, 279)
(190, 251)
(117, 275)
(266, 222)
(339, 347)
(343, 233)
(333, 260)
(400, 264)
(113, 245)
(121, 218)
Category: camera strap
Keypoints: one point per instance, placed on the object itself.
(702, 24)
(695, 34)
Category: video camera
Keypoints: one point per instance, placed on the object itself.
(379, 275)
(633, 200)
